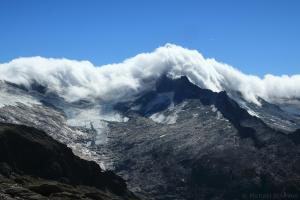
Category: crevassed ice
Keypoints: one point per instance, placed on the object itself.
(95, 119)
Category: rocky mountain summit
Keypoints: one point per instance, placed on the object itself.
(213, 149)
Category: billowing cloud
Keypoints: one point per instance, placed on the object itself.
(114, 82)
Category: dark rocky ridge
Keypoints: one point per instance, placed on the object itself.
(295, 136)
(215, 150)
(183, 89)
(31, 162)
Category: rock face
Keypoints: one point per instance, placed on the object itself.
(214, 150)
(35, 166)
(181, 142)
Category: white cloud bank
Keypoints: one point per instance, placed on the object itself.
(81, 79)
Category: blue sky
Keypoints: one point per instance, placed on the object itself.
(257, 36)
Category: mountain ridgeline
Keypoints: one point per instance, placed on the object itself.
(214, 150)
(175, 141)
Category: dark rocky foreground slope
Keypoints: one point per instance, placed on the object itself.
(214, 150)
(34, 166)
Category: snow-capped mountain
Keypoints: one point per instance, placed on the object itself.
(174, 124)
